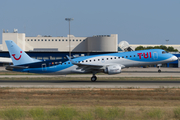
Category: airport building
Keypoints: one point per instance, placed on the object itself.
(48, 47)
(99, 43)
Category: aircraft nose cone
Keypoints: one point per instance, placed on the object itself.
(174, 58)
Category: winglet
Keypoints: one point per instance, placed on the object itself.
(71, 60)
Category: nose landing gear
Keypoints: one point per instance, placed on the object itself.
(158, 66)
(159, 71)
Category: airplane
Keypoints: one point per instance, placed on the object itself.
(111, 63)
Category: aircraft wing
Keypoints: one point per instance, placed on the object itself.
(90, 67)
(86, 67)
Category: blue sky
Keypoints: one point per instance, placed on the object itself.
(136, 21)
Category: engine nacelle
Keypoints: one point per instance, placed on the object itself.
(113, 69)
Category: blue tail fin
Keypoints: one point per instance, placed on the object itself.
(18, 56)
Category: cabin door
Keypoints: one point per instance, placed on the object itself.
(155, 55)
(44, 67)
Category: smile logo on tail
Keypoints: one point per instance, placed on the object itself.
(15, 57)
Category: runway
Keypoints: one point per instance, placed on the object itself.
(123, 74)
(132, 72)
(127, 72)
(89, 84)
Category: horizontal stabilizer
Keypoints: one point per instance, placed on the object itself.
(5, 60)
(16, 67)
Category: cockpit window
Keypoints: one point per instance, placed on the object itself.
(163, 52)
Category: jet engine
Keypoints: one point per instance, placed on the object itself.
(112, 69)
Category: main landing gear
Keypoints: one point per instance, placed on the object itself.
(93, 78)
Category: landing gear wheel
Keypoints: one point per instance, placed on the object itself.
(93, 78)
(159, 71)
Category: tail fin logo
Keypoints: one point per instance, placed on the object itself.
(15, 57)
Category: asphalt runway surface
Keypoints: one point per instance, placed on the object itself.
(89, 84)
(132, 72)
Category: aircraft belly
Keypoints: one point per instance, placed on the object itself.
(69, 70)
(133, 63)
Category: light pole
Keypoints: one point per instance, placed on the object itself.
(167, 41)
(69, 20)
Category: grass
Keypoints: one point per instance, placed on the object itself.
(63, 113)
(13, 113)
(177, 113)
(37, 113)
(88, 103)
(154, 113)
(87, 113)
(109, 113)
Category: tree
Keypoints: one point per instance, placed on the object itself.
(139, 48)
(156, 47)
(149, 47)
(171, 49)
(163, 47)
(168, 49)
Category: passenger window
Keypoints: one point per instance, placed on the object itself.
(107, 58)
(114, 57)
(86, 60)
(122, 56)
(119, 57)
